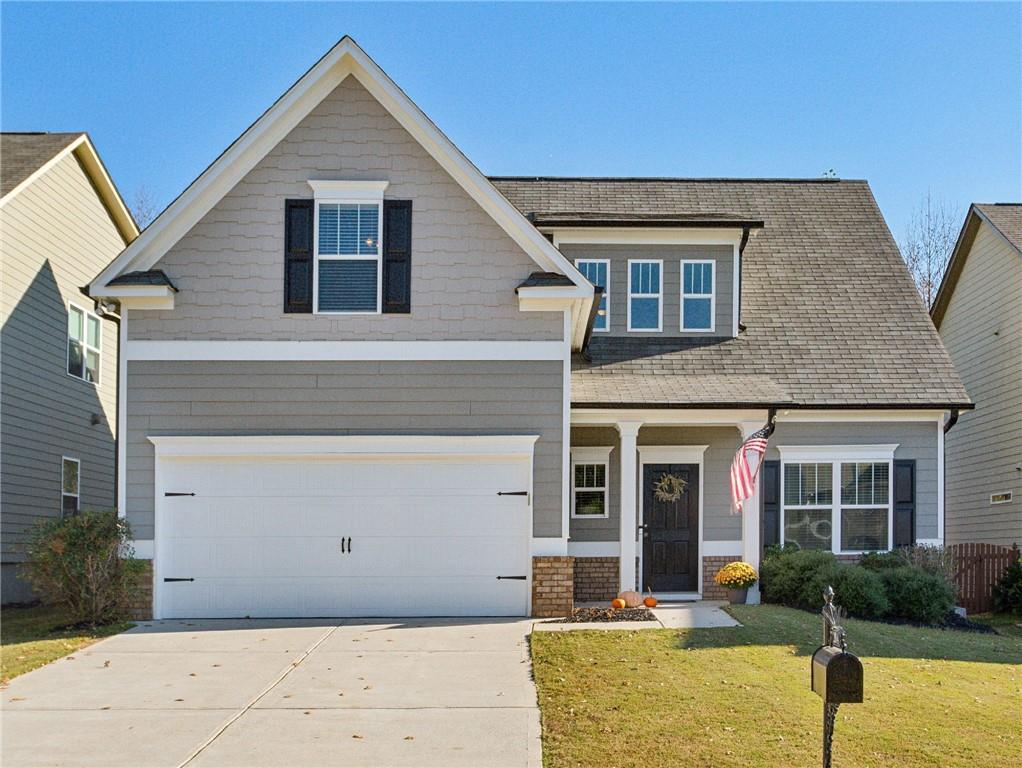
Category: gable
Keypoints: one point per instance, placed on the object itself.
(228, 267)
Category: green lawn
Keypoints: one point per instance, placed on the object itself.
(31, 637)
(1002, 622)
(740, 697)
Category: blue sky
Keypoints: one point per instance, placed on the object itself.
(912, 97)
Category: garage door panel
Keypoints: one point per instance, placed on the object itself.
(262, 536)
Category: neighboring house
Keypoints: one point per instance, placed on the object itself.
(61, 220)
(978, 313)
(360, 378)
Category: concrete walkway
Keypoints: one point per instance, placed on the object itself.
(283, 693)
(704, 614)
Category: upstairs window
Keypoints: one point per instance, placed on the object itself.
(348, 253)
(645, 295)
(697, 299)
(597, 272)
(70, 471)
(84, 340)
(348, 257)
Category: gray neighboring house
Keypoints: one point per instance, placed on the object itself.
(978, 312)
(61, 220)
(361, 378)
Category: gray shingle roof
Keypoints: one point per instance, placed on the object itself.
(545, 279)
(832, 317)
(147, 277)
(22, 154)
(1007, 217)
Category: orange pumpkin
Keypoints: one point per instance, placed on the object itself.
(617, 603)
(650, 602)
(632, 599)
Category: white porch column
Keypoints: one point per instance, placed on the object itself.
(750, 519)
(629, 431)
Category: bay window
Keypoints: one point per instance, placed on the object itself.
(837, 499)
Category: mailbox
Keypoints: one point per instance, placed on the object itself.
(837, 676)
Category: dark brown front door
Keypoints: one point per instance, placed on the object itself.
(670, 541)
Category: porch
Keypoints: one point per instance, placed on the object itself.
(650, 501)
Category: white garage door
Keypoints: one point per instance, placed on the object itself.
(310, 531)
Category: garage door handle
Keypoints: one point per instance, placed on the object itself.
(513, 578)
(178, 493)
(512, 493)
(349, 545)
(165, 579)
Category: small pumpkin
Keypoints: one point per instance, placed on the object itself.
(632, 599)
(650, 602)
(617, 603)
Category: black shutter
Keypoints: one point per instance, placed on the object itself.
(298, 255)
(770, 490)
(904, 503)
(397, 256)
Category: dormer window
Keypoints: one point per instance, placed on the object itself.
(597, 272)
(697, 298)
(645, 294)
(349, 230)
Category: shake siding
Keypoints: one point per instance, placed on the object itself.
(915, 440)
(718, 523)
(982, 330)
(454, 398)
(672, 256)
(55, 236)
(229, 267)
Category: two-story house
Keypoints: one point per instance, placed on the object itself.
(978, 312)
(61, 220)
(361, 378)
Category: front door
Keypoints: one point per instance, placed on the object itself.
(670, 541)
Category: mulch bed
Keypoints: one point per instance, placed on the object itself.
(580, 615)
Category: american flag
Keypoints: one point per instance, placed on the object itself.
(743, 475)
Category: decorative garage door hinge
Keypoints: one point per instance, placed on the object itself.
(178, 493)
(513, 578)
(512, 493)
(166, 579)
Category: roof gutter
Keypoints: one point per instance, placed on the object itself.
(741, 250)
(594, 312)
(952, 420)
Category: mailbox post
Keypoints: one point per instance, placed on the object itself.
(835, 674)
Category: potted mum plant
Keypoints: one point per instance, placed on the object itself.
(736, 578)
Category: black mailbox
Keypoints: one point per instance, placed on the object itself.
(837, 676)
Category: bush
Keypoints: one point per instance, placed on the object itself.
(917, 595)
(860, 592)
(784, 574)
(79, 563)
(1008, 591)
(881, 561)
(934, 560)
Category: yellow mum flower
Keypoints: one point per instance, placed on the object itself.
(738, 575)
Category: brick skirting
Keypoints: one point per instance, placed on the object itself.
(140, 601)
(552, 586)
(711, 590)
(596, 578)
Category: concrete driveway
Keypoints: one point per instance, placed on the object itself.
(416, 692)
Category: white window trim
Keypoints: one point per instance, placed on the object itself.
(606, 289)
(334, 192)
(600, 455)
(1006, 498)
(63, 493)
(712, 296)
(836, 456)
(86, 347)
(658, 296)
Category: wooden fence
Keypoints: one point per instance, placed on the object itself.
(977, 568)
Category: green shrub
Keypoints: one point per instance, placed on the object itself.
(881, 561)
(783, 576)
(917, 595)
(82, 564)
(860, 592)
(932, 559)
(1008, 591)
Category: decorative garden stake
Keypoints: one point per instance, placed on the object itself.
(836, 675)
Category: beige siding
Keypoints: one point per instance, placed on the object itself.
(229, 267)
(672, 256)
(55, 236)
(477, 398)
(982, 330)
